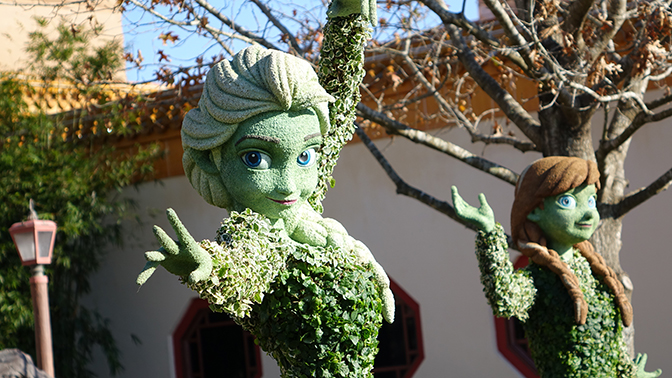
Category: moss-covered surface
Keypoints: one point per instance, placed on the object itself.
(313, 309)
(340, 72)
(560, 348)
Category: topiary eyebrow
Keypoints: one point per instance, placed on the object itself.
(311, 136)
(260, 137)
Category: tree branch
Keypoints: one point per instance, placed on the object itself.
(235, 27)
(616, 15)
(459, 20)
(576, 15)
(510, 29)
(216, 34)
(404, 189)
(638, 197)
(659, 102)
(438, 144)
(493, 139)
(511, 108)
(615, 97)
(407, 190)
(279, 25)
(438, 7)
(606, 146)
(473, 131)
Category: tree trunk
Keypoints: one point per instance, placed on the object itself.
(568, 133)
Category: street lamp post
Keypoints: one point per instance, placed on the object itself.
(34, 239)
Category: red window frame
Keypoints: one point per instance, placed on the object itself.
(194, 311)
(407, 320)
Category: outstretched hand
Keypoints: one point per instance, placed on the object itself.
(184, 257)
(482, 217)
(640, 362)
(344, 8)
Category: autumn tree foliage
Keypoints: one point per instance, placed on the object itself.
(578, 59)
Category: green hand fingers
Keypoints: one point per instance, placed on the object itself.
(184, 257)
(155, 256)
(183, 235)
(344, 8)
(483, 201)
(166, 241)
(640, 362)
(482, 217)
(147, 272)
(202, 272)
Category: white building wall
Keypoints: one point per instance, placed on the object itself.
(428, 254)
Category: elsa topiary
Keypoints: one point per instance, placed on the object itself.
(570, 302)
(311, 294)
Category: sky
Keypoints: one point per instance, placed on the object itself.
(141, 33)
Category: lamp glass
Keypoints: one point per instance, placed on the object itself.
(25, 243)
(44, 242)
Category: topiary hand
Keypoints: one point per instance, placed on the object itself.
(640, 362)
(482, 217)
(344, 8)
(184, 258)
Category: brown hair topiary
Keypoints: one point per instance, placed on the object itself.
(548, 177)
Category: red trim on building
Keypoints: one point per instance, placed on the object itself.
(195, 306)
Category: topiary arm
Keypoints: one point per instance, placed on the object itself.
(340, 72)
(247, 255)
(482, 217)
(509, 293)
(184, 257)
(317, 231)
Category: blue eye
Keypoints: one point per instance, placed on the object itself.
(592, 203)
(568, 202)
(307, 158)
(256, 160)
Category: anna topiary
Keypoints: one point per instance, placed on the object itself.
(571, 306)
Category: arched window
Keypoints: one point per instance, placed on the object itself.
(209, 344)
(511, 341)
(400, 344)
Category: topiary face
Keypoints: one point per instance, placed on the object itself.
(570, 217)
(268, 165)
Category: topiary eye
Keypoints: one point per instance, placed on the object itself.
(592, 203)
(256, 160)
(568, 202)
(307, 158)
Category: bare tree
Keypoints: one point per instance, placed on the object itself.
(577, 57)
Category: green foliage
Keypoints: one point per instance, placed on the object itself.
(70, 55)
(537, 297)
(75, 182)
(313, 309)
(340, 72)
(561, 348)
(242, 271)
(509, 293)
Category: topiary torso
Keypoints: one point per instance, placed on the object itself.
(313, 309)
(560, 348)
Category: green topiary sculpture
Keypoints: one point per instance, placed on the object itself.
(570, 302)
(262, 144)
